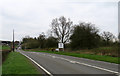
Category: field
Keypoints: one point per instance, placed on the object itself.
(18, 64)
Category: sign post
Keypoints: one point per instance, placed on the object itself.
(61, 46)
(13, 41)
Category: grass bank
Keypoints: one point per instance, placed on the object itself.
(88, 56)
(18, 64)
(5, 47)
(5, 51)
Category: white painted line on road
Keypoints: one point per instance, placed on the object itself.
(37, 64)
(65, 59)
(98, 68)
(71, 61)
(100, 61)
(53, 56)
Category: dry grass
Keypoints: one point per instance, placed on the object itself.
(110, 51)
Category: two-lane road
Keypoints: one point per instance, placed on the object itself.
(61, 64)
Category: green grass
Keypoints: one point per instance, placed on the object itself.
(115, 48)
(88, 56)
(0, 47)
(18, 64)
(5, 47)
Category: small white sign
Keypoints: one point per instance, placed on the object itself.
(60, 45)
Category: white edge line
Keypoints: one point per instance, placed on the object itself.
(92, 66)
(98, 68)
(88, 65)
(75, 62)
(38, 65)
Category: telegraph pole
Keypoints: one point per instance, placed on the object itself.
(13, 41)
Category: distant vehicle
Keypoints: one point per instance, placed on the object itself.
(57, 50)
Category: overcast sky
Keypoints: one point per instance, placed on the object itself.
(31, 17)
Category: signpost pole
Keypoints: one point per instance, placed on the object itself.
(13, 40)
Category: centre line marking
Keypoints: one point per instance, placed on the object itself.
(87, 65)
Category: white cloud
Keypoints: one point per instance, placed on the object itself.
(31, 17)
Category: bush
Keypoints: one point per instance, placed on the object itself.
(85, 36)
(111, 51)
(4, 54)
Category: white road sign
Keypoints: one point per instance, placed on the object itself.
(60, 45)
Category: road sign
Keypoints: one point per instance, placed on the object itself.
(60, 45)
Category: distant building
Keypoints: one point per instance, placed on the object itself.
(5, 42)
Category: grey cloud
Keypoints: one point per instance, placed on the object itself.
(31, 17)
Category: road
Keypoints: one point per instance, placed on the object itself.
(61, 64)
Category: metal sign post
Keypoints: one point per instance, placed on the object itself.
(13, 41)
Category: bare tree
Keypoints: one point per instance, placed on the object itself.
(107, 36)
(49, 33)
(62, 28)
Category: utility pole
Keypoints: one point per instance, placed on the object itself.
(13, 41)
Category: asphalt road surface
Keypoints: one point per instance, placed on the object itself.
(61, 64)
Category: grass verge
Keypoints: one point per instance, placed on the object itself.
(88, 56)
(5, 47)
(18, 64)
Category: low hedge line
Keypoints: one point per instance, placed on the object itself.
(4, 54)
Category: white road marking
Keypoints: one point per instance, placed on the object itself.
(53, 57)
(100, 61)
(85, 64)
(98, 68)
(37, 64)
(73, 61)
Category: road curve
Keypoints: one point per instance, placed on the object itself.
(61, 64)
